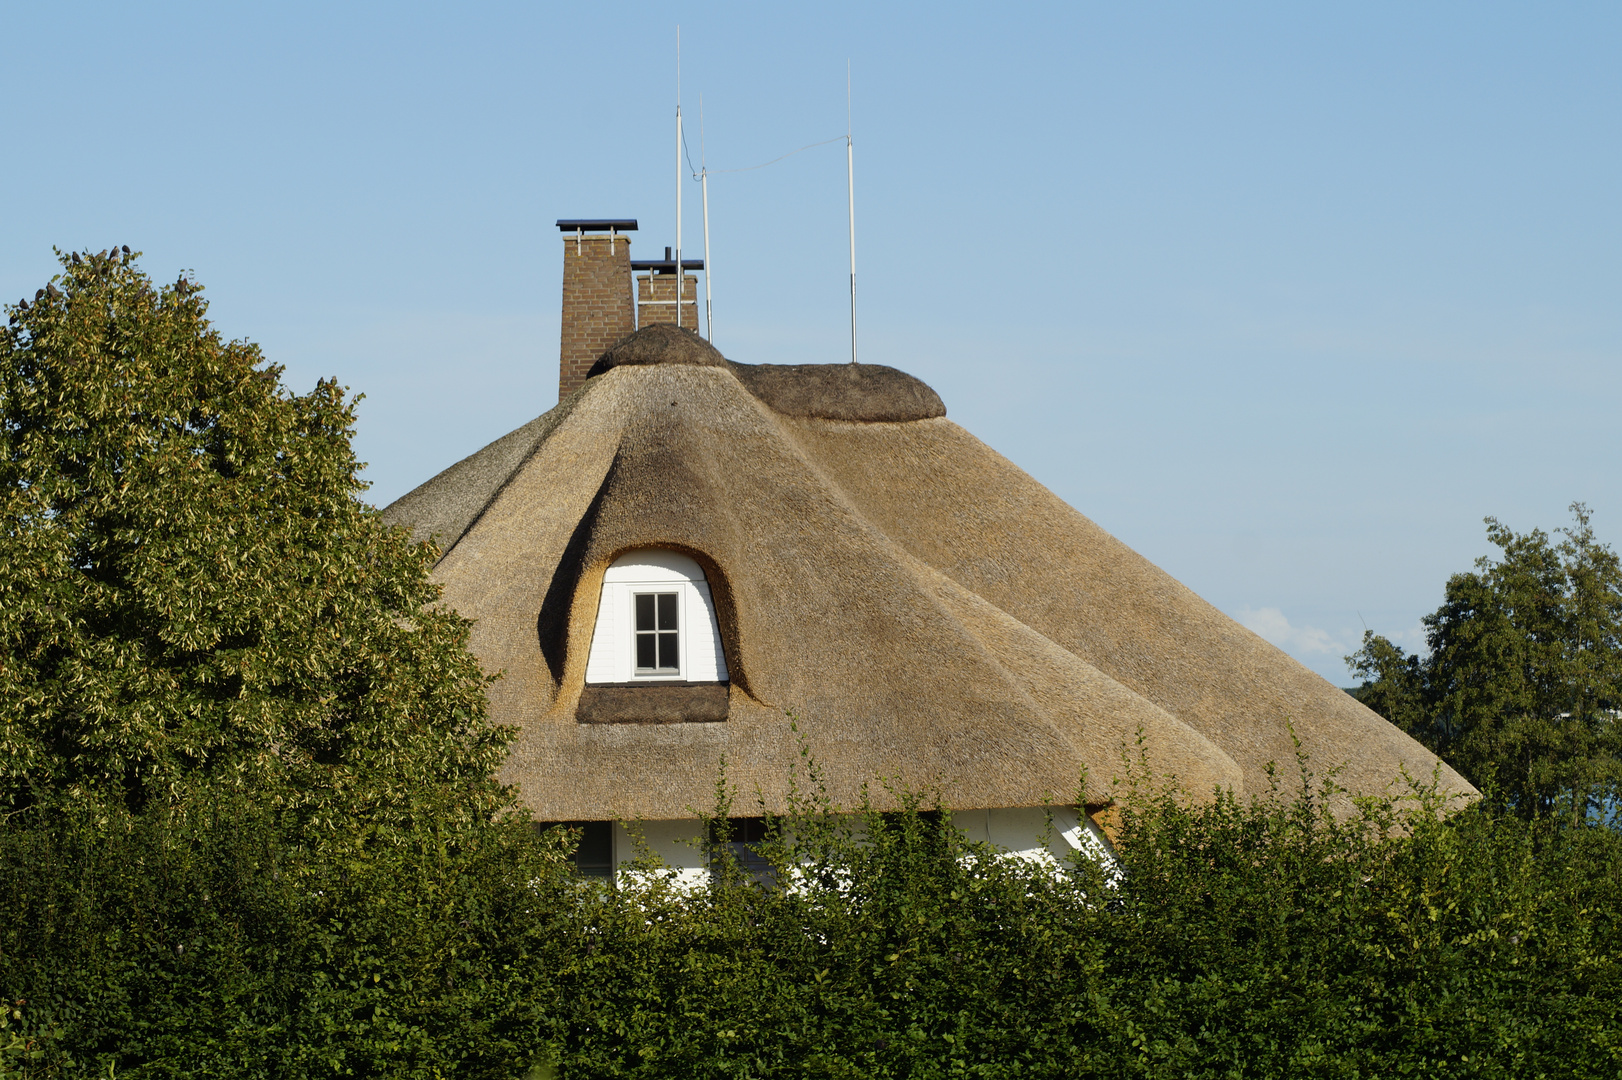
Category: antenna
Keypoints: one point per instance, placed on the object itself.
(850, 188)
(704, 185)
(680, 277)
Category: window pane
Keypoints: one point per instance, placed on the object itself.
(595, 855)
(645, 650)
(644, 611)
(667, 651)
(744, 830)
(667, 611)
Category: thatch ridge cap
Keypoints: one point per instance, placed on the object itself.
(861, 393)
(661, 343)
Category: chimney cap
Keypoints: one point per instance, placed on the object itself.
(597, 224)
(666, 266)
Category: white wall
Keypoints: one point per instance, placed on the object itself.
(1018, 831)
(676, 843)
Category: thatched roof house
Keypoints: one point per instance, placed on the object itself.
(685, 550)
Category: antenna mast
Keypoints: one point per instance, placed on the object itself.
(850, 189)
(680, 277)
(704, 186)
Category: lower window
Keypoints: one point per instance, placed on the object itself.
(594, 855)
(744, 837)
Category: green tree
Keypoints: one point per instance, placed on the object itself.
(1523, 679)
(192, 593)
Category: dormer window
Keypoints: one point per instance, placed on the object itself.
(655, 623)
(658, 636)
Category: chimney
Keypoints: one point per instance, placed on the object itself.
(598, 306)
(656, 300)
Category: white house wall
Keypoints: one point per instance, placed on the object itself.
(677, 844)
(1020, 832)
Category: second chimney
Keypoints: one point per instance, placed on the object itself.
(656, 298)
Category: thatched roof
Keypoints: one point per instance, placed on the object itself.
(926, 610)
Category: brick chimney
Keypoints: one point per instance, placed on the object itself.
(598, 305)
(656, 292)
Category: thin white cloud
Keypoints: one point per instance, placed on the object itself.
(1273, 626)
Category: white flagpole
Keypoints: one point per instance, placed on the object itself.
(704, 186)
(850, 187)
(679, 281)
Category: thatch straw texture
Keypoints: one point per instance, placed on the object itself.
(927, 611)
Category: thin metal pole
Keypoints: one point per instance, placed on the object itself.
(709, 310)
(679, 282)
(850, 185)
(704, 186)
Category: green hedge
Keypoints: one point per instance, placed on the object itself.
(1259, 939)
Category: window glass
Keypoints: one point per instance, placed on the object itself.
(594, 854)
(658, 641)
(744, 837)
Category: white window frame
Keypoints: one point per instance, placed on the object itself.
(639, 673)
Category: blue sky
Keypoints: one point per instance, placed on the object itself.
(1288, 297)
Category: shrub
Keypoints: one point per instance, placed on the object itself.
(1241, 938)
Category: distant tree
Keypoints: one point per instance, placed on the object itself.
(192, 591)
(1521, 687)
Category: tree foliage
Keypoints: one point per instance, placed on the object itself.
(192, 593)
(1522, 683)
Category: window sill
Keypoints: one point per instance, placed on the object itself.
(652, 702)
